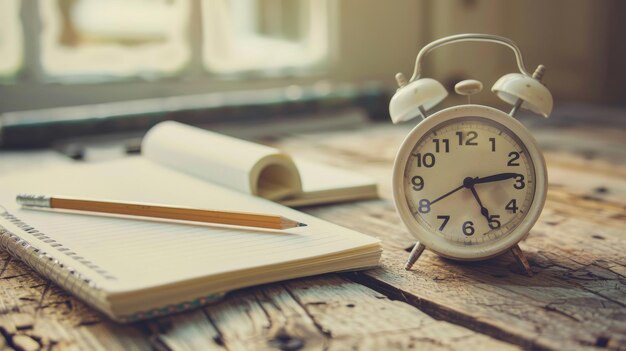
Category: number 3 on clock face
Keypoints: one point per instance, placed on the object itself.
(469, 182)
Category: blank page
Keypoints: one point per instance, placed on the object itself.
(317, 177)
(326, 184)
(125, 254)
(219, 159)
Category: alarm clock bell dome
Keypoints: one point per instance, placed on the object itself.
(516, 86)
(423, 93)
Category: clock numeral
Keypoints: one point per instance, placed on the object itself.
(511, 206)
(418, 183)
(494, 223)
(468, 228)
(519, 182)
(445, 142)
(428, 160)
(493, 144)
(424, 206)
(471, 136)
(514, 156)
(445, 221)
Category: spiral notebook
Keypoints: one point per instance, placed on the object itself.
(134, 269)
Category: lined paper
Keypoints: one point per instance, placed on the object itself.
(139, 254)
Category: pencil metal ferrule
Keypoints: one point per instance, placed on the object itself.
(33, 200)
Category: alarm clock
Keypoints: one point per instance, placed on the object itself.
(469, 181)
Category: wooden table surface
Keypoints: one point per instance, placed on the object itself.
(576, 299)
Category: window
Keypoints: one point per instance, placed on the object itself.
(114, 38)
(269, 35)
(51, 56)
(75, 52)
(11, 38)
(91, 41)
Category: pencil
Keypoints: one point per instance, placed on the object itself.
(157, 211)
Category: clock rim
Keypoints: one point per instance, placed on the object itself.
(433, 241)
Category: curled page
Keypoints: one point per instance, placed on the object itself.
(236, 164)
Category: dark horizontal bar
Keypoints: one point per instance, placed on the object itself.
(41, 128)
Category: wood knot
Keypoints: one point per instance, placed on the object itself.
(601, 190)
(286, 342)
(602, 341)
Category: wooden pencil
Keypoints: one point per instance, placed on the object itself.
(157, 211)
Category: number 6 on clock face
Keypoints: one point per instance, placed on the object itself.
(469, 182)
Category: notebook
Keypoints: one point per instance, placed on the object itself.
(251, 168)
(133, 269)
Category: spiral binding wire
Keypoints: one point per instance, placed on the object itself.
(70, 279)
(43, 263)
(50, 241)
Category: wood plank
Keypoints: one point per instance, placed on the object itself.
(186, 331)
(32, 310)
(358, 318)
(325, 312)
(265, 318)
(577, 298)
(321, 312)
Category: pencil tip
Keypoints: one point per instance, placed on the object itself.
(302, 225)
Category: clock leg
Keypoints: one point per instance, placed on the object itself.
(521, 259)
(415, 254)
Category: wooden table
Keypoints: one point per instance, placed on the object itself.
(576, 300)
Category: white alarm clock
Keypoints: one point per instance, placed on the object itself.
(470, 181)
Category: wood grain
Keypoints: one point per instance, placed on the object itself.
(326, 312)
(576, 299)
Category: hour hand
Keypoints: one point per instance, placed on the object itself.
(495, 178)
(483, 210)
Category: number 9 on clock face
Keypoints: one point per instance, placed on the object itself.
(469, 182)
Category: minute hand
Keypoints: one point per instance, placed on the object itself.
(495, 178)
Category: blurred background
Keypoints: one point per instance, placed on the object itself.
(251, 60)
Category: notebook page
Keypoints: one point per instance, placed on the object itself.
(317, 177)
(326, 184)
(130, 254)
(217, 158)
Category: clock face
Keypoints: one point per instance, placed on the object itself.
(470, 181)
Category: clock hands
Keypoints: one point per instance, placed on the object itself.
(483, 209)
(447, 194)
(469, 183)
(494, 178)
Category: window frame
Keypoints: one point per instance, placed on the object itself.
(31, 88)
